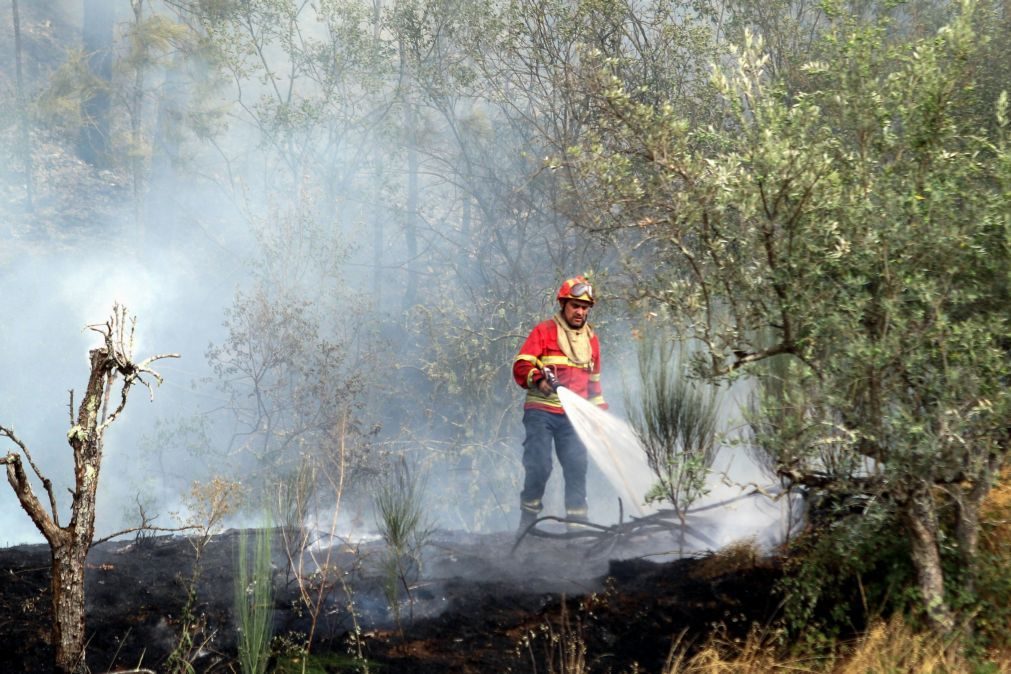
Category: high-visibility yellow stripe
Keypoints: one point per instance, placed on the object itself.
(551, 360)
(594, 377)
(532, 505)
(597, 400)
(530, 377)
(533, 397)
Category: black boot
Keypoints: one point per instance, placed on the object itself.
(576, 520)
(527, 517)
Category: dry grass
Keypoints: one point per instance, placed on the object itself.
(887, 648)
(734, 558)
(895, 647)
(758, 654)
(995, 516)
(994, 578)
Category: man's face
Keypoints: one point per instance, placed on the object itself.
(575, 312)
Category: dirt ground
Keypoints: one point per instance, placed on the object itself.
(478, 607)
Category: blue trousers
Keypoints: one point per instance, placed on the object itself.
(543, 428)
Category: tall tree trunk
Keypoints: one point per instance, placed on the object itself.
(410, 296)
(137, 155)
(25, 141)
(69, 545)
(378, 243)
(70, 553)
(162, 229)
(411, 222)
(921, 519)
(93, 143)
(68, 564)
(378, 234)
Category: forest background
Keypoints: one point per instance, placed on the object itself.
(346, 216)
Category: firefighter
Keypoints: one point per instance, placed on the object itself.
(565, 349)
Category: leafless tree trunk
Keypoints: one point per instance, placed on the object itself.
(69, 544)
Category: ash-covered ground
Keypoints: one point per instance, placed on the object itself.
(479, 606)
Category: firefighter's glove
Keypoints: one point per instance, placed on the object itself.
(548, 384)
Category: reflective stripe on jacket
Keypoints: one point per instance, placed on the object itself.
(541, 350)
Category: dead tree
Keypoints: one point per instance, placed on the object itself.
(69, 544)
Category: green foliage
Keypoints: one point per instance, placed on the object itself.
(985, 590)
(472, 429)
(676, 422)
(991, 600)
(400, 513)
(254, 604)
(322, 663)
(860, 227)
(845, 572)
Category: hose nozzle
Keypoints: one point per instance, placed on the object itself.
(551, 378)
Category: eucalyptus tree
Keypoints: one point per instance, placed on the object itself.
(859, 229)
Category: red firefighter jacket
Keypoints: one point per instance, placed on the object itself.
(541, 350)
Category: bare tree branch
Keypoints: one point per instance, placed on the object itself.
(46, 482)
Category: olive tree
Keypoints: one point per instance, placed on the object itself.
(69, 543)
(859, 228)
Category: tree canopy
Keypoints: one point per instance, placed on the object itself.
(854, 226)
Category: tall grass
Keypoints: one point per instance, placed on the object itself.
(402, 524)
(562, 646)
(254, 602)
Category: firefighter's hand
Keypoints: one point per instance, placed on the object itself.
(544, 387)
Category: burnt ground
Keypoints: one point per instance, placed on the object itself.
(477, 608)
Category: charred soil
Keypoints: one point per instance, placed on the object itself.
(478, 607)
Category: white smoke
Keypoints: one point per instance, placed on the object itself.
(730, 511)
